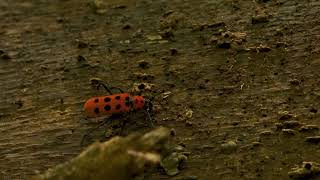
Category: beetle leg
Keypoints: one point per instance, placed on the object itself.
(121, 91)
(92, 130)
(96, 82)
(149, 118)
(123, 124)
(147, 111)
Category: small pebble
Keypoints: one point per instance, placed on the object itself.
(228, 147)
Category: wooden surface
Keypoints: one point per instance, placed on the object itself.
(234, 94)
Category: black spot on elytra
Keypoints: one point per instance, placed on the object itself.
(141, 101)
(107, 108)
(96, 100)
(96, 110)
(118, 106)
(107, 99)
(118, 97)
(136, 101)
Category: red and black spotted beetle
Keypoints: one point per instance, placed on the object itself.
(112, 104)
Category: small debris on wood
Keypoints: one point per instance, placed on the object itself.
(143, 64)
(313, 110)
(291, 124)
(281, 44)
(173, 132)
(260, 48)
(127, 26)
(188, 113)
(154, 37)
(285, 115)
(4, 55)
(174, 160)
(189, 123)
(60, 19)
(228, 147)
(294, 82)
(279, 126)
(266, 133)
(19, 103)
(99, 6)
(209, 25)
(141, 87)
(256, 144)
(224, 44)
(82, 44)
(172, 163)
(264, 1)
(81, 58)
(306, 171)
(173, 51)
(189, 178)
(167, 34)
(309, 128)
(143, 76)
(250, 146)
(212, 40)
(166, 94)
(262, 18)
(313, 139)
(288, 131)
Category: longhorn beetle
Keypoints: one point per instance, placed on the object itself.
(114, 104)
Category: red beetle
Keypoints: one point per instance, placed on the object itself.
(114, 104)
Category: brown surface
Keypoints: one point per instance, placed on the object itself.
(234, 93)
